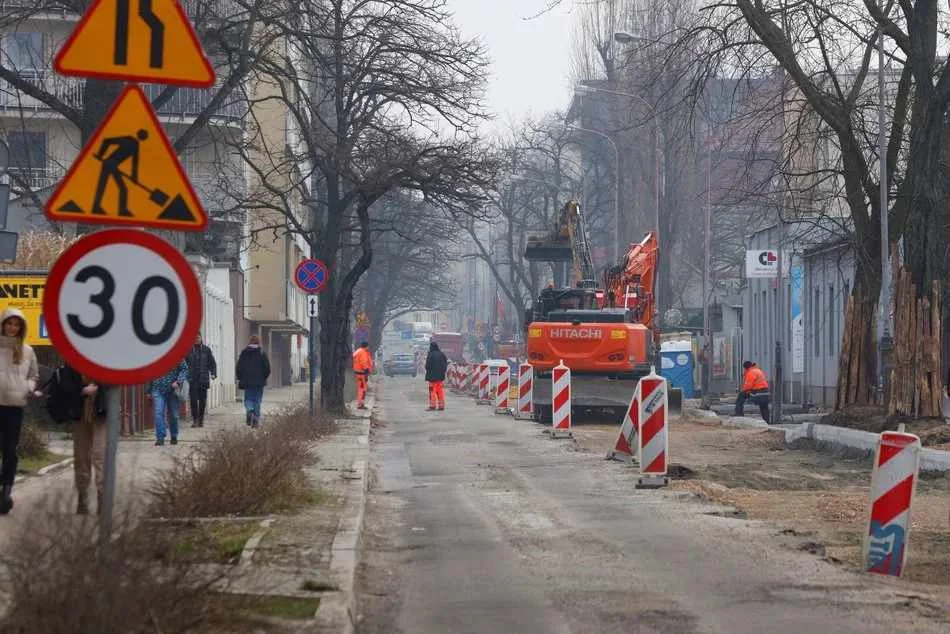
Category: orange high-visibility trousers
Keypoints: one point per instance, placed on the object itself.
(436, 395)
(361, 383)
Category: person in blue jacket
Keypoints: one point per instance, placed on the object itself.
(164, 395)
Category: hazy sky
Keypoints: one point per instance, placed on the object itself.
(530, 58)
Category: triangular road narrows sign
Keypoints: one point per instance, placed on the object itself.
(136, 40)
(128, 174)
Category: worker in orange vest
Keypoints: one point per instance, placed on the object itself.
(362, 366)
(755, 387)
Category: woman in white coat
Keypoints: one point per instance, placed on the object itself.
(18, 376)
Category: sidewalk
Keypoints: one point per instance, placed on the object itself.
(138, 458)
(311, 553)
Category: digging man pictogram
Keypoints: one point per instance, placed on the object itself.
(126, 148)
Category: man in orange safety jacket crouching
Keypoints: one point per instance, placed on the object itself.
(755, 387)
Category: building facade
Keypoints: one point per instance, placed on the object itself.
(37, 112)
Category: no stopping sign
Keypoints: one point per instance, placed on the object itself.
(122, 306)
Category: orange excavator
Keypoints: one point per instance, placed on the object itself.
(606, 334)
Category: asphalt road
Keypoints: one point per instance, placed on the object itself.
(479, 523)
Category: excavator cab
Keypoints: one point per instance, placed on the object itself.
(561, 299)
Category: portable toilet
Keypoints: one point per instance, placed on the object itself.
(678, 364)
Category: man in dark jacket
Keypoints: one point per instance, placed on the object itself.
(253, 368)
(202, 369)
(436, 366)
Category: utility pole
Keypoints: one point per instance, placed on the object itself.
(778, 381)
(707, 289)
(884, 300)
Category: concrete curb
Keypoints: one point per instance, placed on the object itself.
(337, 611)
(56, 466)
(48, 469)
(835, 437)
(930, 459)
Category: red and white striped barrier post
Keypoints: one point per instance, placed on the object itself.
(627, 444)
(463, 379)
(502, 386)
(561, 402)
(470, 376)
(893, 483)
(484, 379)
(654, 431)
(525, 410)
(454, 378)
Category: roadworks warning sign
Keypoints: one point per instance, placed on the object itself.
(128, 174)
(136, 40)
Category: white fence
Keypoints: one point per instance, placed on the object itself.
(218, 331)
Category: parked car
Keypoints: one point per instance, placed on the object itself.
(401, 363)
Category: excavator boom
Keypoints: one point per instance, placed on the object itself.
(631, 284)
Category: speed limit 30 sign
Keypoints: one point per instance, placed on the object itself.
(122, 306)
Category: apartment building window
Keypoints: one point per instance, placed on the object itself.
(816, 327)
(28, 156)
(25, 53)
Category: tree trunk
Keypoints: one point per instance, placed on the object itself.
(856, 362)
(916, 380)
(335, 352)
(917, 385)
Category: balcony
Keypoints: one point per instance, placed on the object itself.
(185, 103)
(35, 178)
(221, 241)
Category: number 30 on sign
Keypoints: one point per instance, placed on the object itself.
(122, 306)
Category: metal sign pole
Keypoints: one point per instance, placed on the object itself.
(311, 360)
(113, 418)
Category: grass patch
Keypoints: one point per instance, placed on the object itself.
(32, 442)
(294, 608)
(31, 464)
(205, 542)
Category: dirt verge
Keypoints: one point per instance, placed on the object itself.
(818, 501)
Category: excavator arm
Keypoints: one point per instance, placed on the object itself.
(632, 283)
(568, 242)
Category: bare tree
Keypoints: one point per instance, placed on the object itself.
(410, 269)
(539, 174)
(381, 96)
(827, 52)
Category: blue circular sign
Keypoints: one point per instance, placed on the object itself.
(311, 275)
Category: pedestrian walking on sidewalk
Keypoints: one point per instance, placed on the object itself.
(253, 368)
(755, 387)
(362, 367)
(18, 376)
(89, 443)
(164, 392)
(202, 369)
(436, 366)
